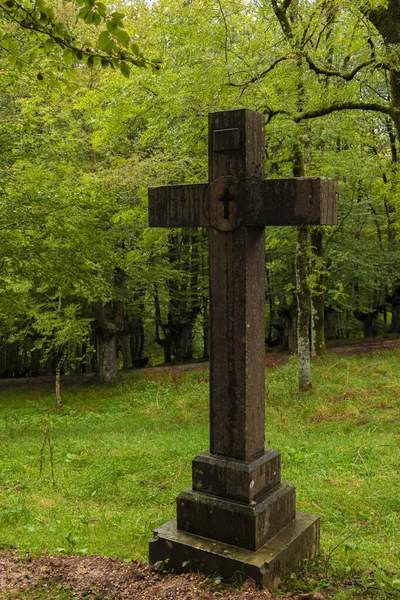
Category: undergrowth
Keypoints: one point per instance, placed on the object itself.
(100, 475)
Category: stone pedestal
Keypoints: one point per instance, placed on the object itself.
(184, 552)
(238, 519)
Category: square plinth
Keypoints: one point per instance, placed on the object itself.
(245, 525)
(238, 480)
(184, 552)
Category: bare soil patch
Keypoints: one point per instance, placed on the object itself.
(96, 576)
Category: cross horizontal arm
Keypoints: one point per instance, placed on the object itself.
(177, 206)
(295, 201)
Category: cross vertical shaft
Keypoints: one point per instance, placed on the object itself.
(237, 291)
(238, 516)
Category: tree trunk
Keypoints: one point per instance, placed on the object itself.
(289, 332)
(58, 384)
(35, 363)
(331, 324)
(387, 22)
(182, 347)
(371, 325)
(302, 289)
(107, 356)
(395, 301)
(165, 342)
(303, 311)
(106, 342)
(369, 321)
(126, 351)
(318, 296)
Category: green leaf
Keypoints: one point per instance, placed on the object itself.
(89, 17)
(6, 41)
(122, 37)
(85, 10)
(90, 62)
(49, 45)
(60, 29)
(68, 57)
(101, 8)
(104, 40)
(32, 55)
(118, 15)
(112, 26)
(135, 49)
(49, 12)
(71, 76)
(124, 68)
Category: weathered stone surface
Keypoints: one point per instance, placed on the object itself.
(177, 206)
(294, 201)
(238, 480)
(237, 497)
(237, 298)
(245, 525)
(255, 203)
(268, 566)
(226, 139)
(237, 340)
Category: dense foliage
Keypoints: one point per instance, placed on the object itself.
(84, 284)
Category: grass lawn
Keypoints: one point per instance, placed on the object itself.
(119, 457)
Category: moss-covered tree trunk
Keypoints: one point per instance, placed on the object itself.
(318, 296)
(303, 311)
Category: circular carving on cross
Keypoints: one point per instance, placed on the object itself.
(221, 203)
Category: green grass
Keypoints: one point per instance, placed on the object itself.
(44, 592)
(121, 455)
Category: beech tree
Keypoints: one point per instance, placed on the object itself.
(76, 164)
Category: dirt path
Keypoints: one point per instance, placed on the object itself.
(273, 360)
(99, 577)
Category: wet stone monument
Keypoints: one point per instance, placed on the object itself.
(239, 517)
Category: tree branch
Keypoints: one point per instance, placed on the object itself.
(338, 106)
(331, 73)
(263, 73)
(226, 31)
(26, 19)
(280, 11)
(327, 110)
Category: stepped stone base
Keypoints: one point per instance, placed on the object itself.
(248, 526)
(235, 479)
(268, 566)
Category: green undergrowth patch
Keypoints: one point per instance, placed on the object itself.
(340, 445)
(99, 476)
(45, 591)
(118, 457)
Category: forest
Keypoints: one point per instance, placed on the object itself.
(96, 106)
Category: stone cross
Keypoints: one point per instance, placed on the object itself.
(238, 502)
